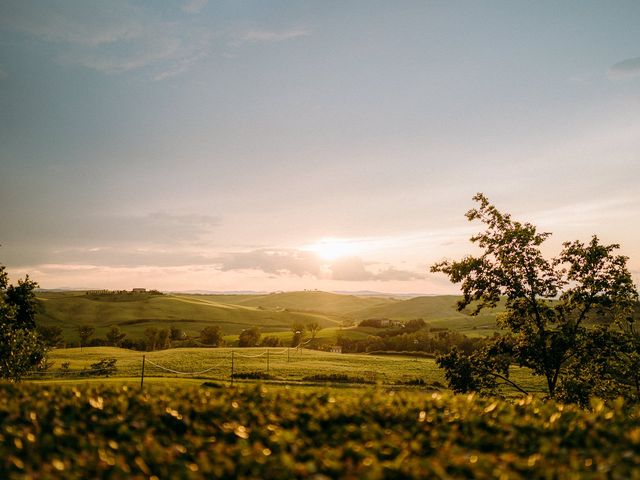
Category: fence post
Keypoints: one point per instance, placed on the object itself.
(142, 374)
(287, 355)
(232, 358)
(267, 361)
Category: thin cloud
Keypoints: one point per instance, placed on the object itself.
(273, 36)
(629, 67)
(350, 269)
(273, 261)
(109, 37)
(195, 6)
(394, 274)
(354, 269)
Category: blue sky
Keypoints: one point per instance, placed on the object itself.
(251, 145)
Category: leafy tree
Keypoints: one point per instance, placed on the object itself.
(115, 336)
(23, 299)
(85, 332)
(313, 328)
(298, 332)
(151, 335)
(177, 333)
(163, 339)
(21, 348)
(550, 305)
(50, 335)
(270, 341)
(211, 335)
(249, 337)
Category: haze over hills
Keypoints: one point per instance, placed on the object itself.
(275, 312)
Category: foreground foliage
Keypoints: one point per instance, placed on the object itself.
(114, 432)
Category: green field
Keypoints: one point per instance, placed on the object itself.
(107, 431)
(284, 365)
(272, 312)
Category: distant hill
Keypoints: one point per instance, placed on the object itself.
(188, 312)
(274, 312)
(438, 311)
(312, 301)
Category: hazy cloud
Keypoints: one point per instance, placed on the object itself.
(278, 262)
(3, 75)
(195, 6)
(271, 36)
(351, 269)
(629, 67)
(391, 274)
(354, 269)
(110, 37)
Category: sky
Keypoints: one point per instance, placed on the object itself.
(289, 145)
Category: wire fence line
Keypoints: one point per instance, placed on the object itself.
(231, 359)
(177, 372)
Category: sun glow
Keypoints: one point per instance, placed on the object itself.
(334, 248)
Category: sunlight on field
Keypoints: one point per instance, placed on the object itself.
(281, 364)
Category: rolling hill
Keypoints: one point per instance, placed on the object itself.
(271, 312)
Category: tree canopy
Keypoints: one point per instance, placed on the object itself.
(21, 348)
(566, 318)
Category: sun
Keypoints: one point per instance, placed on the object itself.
(334, 248)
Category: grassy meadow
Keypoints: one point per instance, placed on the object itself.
(282, 364)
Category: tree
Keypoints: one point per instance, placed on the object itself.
(211, 335)
(50, 335)
(23, 298)
(115, 336)
(163, 339)
(21, 348)
(177, 333)
(298, 331)
(249, 337)
(313, 327)
(85, 332)
(270, 341)
(551, 306)
(151, 334)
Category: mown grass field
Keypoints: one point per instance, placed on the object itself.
(284, 365)
(273, 313)
(106, 431)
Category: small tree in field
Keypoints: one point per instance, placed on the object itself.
(115, 336)
(560, 313)
(85, 332)
(211, 335)
(313, 328)
(298, 332)
(249, 337)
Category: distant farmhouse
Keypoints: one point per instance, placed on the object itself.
(133, 291)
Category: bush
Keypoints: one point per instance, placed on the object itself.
(336, 378)
(271, 341)
(252, 375)
(105, 367)
(120, 433)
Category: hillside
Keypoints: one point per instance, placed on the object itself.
(188, 312)
(438, 311)
(272, 312)
(312, 301)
